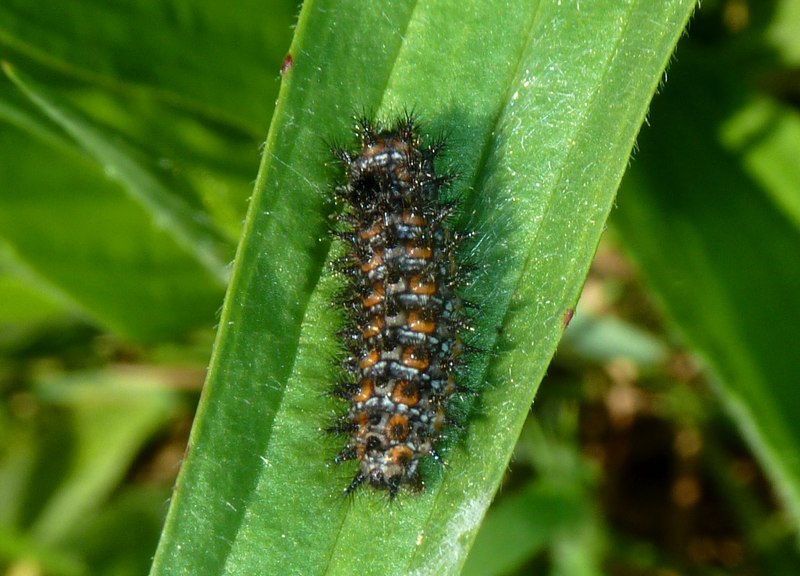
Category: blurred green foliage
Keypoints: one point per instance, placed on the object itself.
(664, 438)
(129, 141)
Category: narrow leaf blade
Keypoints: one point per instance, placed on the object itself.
(541, 127)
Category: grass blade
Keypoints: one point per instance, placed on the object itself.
(541, 123)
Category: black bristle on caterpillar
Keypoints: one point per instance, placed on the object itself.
(402, 313)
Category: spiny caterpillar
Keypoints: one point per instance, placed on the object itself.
(403, 315)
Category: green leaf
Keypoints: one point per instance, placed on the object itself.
(83, 241)
(206, 56)
(710, 214)
(542, 102)
(553, 512)
(112, 414)
(58, 469)
(23, 305)
(523, 526)
(106, 540)
(190, 228)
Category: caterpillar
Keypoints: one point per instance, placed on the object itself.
(403, 315)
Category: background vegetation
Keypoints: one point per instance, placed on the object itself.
(663, 439)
